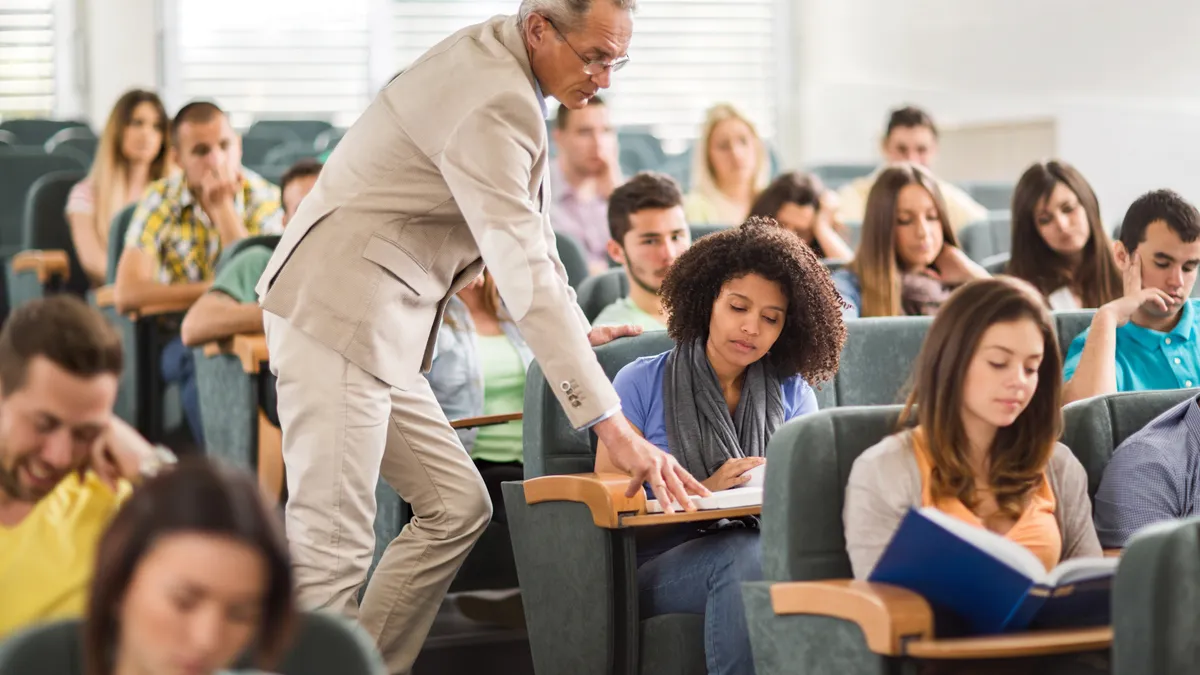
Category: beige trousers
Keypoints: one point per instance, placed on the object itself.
(342, 429)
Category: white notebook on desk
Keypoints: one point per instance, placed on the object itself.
(726, 499)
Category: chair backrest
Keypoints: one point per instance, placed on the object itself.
(853, 232)
(552, 445)
(327, 140)
(1069, 324)
(1155, 594)
(835, 176)
(992, 195)
(601, 290)
(987, 238)
(256, 148)
(878, 358)
(116, 239)
(996, 264)
(36, 132)
(19, 170)
(1094, 427)
(699, 231)
(322, 643)
(46, 224)
(268, 240)
(71, 134)
(300, 130)
(803, 538)
(287, 154)
(570, 251)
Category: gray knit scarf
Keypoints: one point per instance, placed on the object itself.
(701, 433)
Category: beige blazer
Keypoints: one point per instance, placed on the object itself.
(444, 172)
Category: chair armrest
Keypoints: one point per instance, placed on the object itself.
(604, 495)
(484, 420)
(44, 264)
(105, 296)
(889, 616)
(899, 622)
(160, 309)
(216, 347)
(1113, 552)
(251, 350)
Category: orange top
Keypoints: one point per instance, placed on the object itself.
(1037, 528)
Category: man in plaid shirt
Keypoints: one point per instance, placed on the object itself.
(184, 221)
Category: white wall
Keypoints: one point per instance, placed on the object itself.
(121, 54)
(1122, 80)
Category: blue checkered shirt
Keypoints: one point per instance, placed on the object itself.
(1153, 476)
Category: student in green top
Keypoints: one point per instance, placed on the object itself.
(479, 369)
(649, 231)
(230, 307)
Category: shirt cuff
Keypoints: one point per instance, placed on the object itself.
(607, 414)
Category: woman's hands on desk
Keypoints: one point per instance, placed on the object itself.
(733, 473)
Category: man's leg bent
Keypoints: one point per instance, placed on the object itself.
(426, 463)
(334, 418)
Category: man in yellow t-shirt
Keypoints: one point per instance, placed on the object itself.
(65, 461)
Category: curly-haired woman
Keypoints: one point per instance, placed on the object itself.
(756, 320)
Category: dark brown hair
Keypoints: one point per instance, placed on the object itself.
(1020, 451)
(196, 112)
(303, 168)
(1095, 278)
(1164, 205)
(813, 333)
(876, 262)
(564, 113)
(62, 329)
(794, 187)
(196, 497)
(646, 190)
(907, 117)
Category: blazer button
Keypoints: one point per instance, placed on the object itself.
(565, 386)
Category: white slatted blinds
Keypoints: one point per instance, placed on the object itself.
(277, 59)
(26, 58)
(686, 55)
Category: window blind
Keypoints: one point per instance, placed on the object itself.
(26, 58)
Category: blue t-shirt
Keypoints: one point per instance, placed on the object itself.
(1148, 359)
(640, 386)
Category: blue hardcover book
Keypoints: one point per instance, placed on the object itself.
(992, 584)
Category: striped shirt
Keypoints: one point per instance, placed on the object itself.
(1153, 476)
(170, 226)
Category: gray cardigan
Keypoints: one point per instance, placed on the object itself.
(885, 481)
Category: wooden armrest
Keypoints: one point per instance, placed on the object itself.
(889, 616)
(105, 296)
(1014, 645)
(216, 347)
(251, 350)
(43, 263)
(899, 622)
(484, 420)
(159, 309)
(604, 495)
(1113, 552)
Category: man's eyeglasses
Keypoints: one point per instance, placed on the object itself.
(590, 67)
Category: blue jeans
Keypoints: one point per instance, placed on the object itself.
(704, 576)
(178, 367)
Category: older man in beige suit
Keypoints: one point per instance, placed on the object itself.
(443, 173)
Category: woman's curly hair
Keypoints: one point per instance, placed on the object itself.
(813, 333)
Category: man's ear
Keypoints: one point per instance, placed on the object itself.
(1120, 254)
(616, 251)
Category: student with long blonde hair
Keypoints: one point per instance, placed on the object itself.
(729, 168)
(908, 260)
(133, 153)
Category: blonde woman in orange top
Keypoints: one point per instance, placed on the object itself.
(984, 448)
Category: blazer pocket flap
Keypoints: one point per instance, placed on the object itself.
(400, 264)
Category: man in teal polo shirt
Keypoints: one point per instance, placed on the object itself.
(230, 307)
(1146, 339)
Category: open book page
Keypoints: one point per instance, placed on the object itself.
(758, 476)
(725, 499)
(1008, 552)
(1081, 569)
